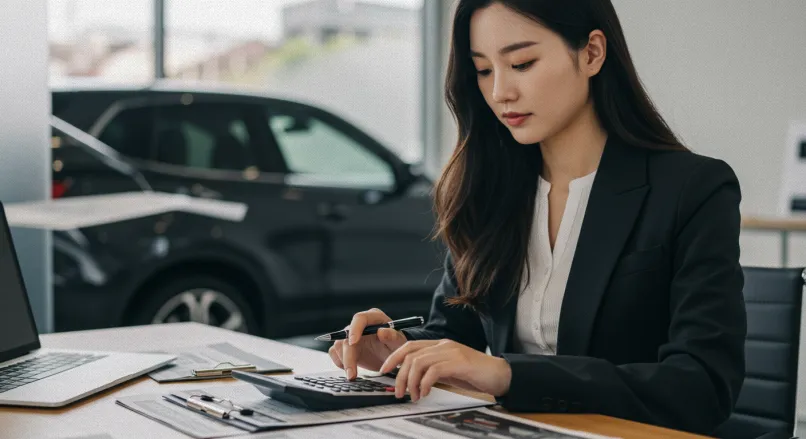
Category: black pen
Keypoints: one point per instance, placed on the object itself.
(409, 322)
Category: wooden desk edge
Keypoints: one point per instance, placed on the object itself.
(590, 423)
(787, 224)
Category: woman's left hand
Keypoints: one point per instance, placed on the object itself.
(426, 362)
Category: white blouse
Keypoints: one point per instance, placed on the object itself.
(539, 303)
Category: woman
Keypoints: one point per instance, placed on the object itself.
(635, 312)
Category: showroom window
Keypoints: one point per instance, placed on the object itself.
(358, 59)
(111, 40)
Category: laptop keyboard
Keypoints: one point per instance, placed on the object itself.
(40, 367)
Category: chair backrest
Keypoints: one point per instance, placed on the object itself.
(767, 399)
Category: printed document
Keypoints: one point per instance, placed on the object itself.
(474, 424)
(193, 423)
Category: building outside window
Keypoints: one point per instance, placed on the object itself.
(360, 59)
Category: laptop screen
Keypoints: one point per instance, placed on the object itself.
(18, 333)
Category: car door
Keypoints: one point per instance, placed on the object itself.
(380, 254)
(206, 146)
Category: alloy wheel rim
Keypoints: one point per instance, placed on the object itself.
(202, 305)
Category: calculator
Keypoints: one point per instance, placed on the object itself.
(323, 391)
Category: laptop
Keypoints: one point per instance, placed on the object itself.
(35, 377)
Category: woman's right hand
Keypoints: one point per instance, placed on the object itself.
(367, 351)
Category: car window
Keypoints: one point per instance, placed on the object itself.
(130, 132)
(207, 136)
(313, 147)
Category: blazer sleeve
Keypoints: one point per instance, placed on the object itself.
(457, 323)
(696, 381)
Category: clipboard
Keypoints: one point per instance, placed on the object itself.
(226, 411)
(213, 361)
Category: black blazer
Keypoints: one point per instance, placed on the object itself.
(653, 323)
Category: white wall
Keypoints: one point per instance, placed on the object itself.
(24, 138)
(728, 75)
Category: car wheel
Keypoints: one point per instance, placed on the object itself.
(202, 299)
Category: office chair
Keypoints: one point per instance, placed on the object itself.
(766, 405)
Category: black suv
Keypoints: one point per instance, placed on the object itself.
(336, 222)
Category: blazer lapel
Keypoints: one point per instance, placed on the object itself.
(614, 204)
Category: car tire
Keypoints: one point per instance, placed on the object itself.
(197, 298)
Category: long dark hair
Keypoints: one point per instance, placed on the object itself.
(485, 197)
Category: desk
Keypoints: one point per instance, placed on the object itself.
(100, 414)
(784, 227)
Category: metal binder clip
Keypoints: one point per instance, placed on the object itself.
(218, 370)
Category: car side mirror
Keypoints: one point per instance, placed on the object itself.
(415, 170)
(300, 124)
(409, 173)
(404, 177)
